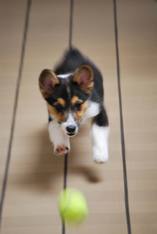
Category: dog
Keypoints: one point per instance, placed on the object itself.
(74, 93)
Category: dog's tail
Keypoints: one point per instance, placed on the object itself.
(72, 53)
(72, 59)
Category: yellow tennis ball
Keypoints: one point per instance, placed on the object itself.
(72, 206)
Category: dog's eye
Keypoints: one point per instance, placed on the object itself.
(77, 106)
(59, 107)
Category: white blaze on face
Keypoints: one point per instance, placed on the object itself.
(70, 122)
(64, 76)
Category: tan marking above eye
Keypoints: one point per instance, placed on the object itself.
(79, 114)
(75, 100)
(60, 101)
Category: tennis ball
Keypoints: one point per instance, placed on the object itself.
(72, 206)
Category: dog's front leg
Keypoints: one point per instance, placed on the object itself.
(59, 139)
(100, 131)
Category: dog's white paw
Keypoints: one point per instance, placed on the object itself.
(58, 138)
(100, 155)
(100, 143)
(61, 147)
(61, 150)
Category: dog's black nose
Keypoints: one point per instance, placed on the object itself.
(71, 129)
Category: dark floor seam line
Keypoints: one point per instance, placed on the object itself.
(18, 82)
(71, 23)
(66, 155)
(65, 185)
(123, 149)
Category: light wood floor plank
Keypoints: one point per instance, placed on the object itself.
(138, 56)
(101, 184)
(12, 16)
(36, 176)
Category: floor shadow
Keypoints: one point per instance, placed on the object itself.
(79, 162)
(47, 169)
(89, 173)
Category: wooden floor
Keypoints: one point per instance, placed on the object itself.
(35, 175)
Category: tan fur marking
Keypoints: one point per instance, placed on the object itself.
(61, 101)
(52, 111)
(79, 114)
(75, 100)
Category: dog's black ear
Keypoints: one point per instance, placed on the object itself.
(84, 77)
(47, 81)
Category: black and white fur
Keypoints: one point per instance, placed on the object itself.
(95, 111)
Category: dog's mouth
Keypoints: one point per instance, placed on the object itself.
(71, 134)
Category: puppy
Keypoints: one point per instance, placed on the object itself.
(74, 93)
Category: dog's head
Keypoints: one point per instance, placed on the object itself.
(67, 98)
